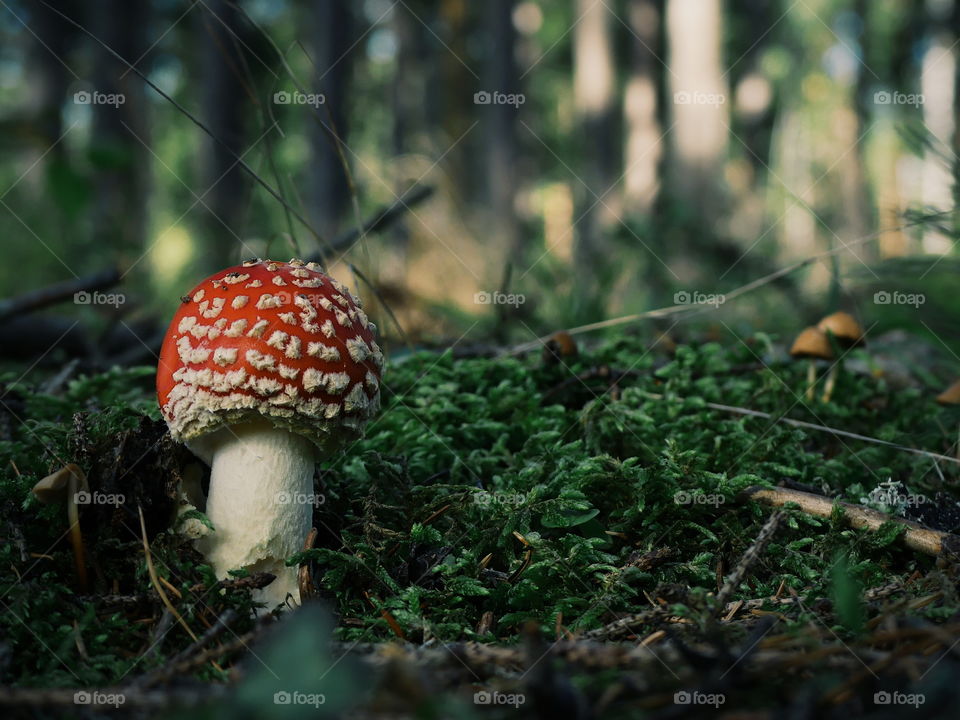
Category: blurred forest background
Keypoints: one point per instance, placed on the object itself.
(591, 158)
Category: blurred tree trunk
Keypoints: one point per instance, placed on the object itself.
(224, 187)
(641, 102)
(855, 199)
(407, 98)
(500, 141)
(331, 28)
(700, 109)
(594, 83)
(938, 81)
(120, 131)
(458, 111)
(49, 78)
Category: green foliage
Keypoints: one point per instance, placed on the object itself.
(509, 487)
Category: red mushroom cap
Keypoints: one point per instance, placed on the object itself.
(274, 340)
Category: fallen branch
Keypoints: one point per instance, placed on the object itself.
(58, 292)
(916, 536)
(381, 219)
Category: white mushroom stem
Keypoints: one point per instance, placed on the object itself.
(811, 378)
(260, 503)
(831, 382)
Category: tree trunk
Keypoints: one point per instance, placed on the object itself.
(332, 36)
(224, 186)
(501, 127)
(594, 82)
(120, 137)
(700, 108)
(641, 99)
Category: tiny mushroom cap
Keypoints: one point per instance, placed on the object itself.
(950, 396)
(844, 328)
(812, 343)
(560, 345)
(273, 340)
(55, 486)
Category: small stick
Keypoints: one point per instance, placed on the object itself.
(381, 219)
(750, 557)
(819, 428)
(165, 672)
(152, 571)
(916, 536)
(304, 576)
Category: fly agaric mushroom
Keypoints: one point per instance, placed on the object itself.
(811, 344)
(266, 367)
(843, 329)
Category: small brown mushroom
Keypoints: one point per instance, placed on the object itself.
(811, 344)
(951, 396)
(559, 347)
(843, 329)
(66, 484)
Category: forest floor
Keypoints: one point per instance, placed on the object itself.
(603, 535)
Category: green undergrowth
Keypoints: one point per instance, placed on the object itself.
(509, 486)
